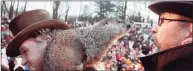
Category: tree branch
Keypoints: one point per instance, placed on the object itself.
(25, 6)
(17, 8)
(5, 6)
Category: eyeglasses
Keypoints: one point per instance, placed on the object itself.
(161, 20)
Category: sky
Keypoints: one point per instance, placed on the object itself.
(75, 6)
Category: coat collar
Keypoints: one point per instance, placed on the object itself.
(158, 60)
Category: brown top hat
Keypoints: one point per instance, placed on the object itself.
(24, 25)
(184, 8)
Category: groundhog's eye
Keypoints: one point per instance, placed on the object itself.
(105, 23)
(119, 21)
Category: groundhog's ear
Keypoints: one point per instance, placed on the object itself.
(48, 38)
(102, 22)
(120, 21)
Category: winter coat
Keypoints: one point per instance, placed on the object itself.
(175, 59)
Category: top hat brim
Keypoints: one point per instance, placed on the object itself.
(13, 47)
(183, 8)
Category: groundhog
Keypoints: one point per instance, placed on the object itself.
(79, 48)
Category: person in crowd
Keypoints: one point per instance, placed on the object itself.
(28, 40)
(4, 68)
(173, 37)
(108, 65)
(120, 63)
(109, 55)
(114, 65)
(123, 67)
(100, 65)
(118, 56)
(128, 63)
(12, 62)
(145, 49)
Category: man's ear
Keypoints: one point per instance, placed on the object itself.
(48, 38)
(188, 39)
(190, 27)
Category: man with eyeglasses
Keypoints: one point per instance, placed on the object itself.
(173, 37)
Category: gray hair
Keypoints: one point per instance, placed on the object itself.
(43, 32)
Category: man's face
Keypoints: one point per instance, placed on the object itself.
(169, 33)
(32, 51)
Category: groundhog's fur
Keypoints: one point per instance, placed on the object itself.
(68, 49)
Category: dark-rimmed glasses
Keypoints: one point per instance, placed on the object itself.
(161, 20)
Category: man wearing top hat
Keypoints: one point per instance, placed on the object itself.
(173, 37)
(28, 40)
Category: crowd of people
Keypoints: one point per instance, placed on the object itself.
(125, 52)
(13, 63)
(6, 35)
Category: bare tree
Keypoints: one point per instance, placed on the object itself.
(11, 10)
(25, 6)
(4, 4)
(17, 8)
(67, 10)
(2, 10)
(56, 5)
(124, 12)
(103, 9)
